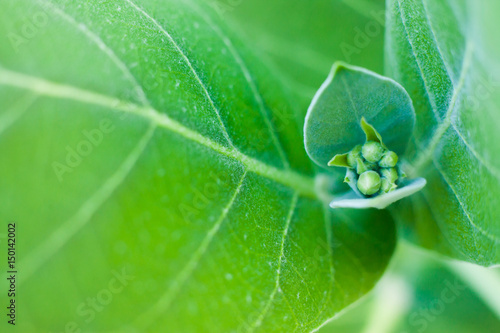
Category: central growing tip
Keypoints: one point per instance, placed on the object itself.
(376, 168)
(373, 169)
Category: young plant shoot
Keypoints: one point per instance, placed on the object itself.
(376, 167)
(337, 125)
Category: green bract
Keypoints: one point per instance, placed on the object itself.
(332, 125)
(354, 156)
(340, 131)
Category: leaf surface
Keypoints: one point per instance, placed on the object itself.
(149, 170)
(437, 52)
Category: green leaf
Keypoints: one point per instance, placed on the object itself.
(350, 93)
(157, 178)
(437, 52)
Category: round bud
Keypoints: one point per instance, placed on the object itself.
(386, 186)
(353, 155)
(369, 183)
(389, 160)
(390, 174)
(372, 151)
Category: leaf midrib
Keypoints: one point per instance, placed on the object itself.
(303, 184)
(191, 68)
(248, 78)
(98, 41)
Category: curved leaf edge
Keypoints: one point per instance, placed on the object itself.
(353, 199)
(336, 68)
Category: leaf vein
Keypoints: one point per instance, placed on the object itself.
(434, 37)
(301, 183)
(426, 201)
(102, 46)
(419, 65)
(165, 301)
(441, 172)
(250, 81)
(426, 155)
(277, 287)
(351, 99)
(73, 225)
(190, 65)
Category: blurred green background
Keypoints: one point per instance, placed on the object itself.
(302, 39)
(424, 293)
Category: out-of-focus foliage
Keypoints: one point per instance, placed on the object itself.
(423, 294)
(302, 39)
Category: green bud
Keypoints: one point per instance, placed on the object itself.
(389, 160)
(390, 174)
(369, 182)
(353, 155)
(386, 186)
(372, 151)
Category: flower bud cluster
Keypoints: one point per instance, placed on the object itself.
(376, 168)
